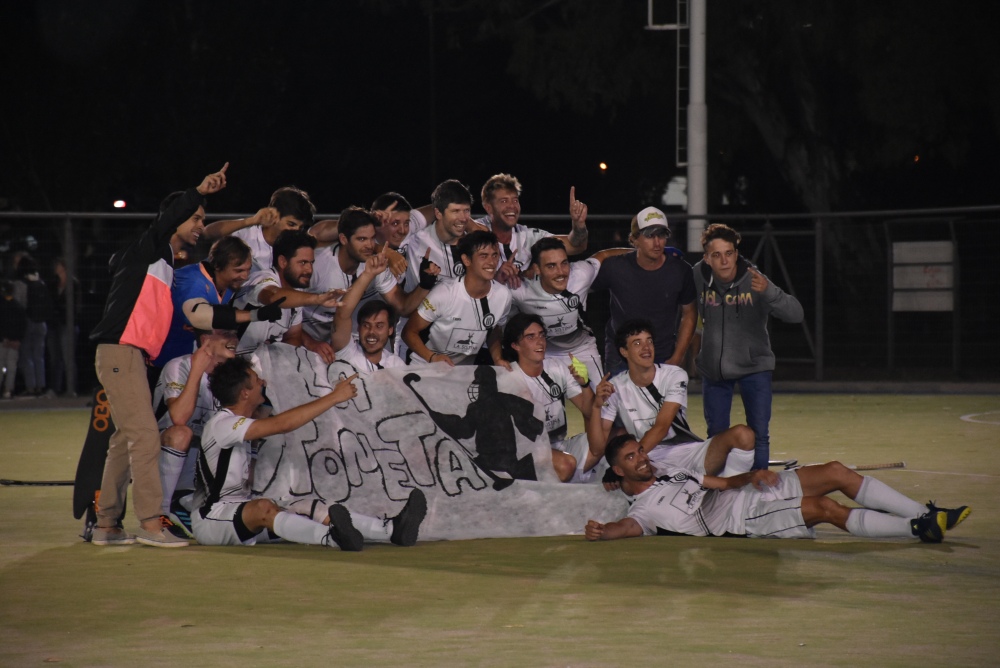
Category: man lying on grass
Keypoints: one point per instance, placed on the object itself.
(762, 503)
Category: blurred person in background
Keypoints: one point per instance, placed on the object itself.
(12, 325)
(61, 340)
(38, 308)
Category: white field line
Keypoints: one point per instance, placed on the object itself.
(971, 417)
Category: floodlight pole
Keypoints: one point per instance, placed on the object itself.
(697, 117)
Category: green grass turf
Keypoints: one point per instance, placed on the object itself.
(834, 601)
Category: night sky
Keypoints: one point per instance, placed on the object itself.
(108, 100)
(133, 100)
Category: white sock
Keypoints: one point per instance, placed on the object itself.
(171, 463)
(299, 529)
(738, 461)
(877, 495)
(186, 479)
(874, 524)
(314, 509)
(372, 528)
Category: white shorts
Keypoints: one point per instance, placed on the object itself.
(687, 456)
(580, 448)
(218, 527)
(776, 513)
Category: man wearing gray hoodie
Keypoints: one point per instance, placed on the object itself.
(734, 302)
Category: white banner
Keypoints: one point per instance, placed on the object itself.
(469, 437)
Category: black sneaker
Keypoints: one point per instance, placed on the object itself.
(180, 516)
(955, 515)
(406, 525)
(174, 529)
(342, 531)
(930, 527)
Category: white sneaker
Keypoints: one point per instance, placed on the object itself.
(161, 538)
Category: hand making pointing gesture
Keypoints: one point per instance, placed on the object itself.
(213, 183)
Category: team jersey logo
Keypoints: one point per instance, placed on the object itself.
(555, 391)
(236, 425)
(427, 305)
(458, 268)
(466, 341)
(489, 320)
(574, 301)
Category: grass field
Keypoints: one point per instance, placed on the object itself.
(558, 601)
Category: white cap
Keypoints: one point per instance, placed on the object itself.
(651, 217)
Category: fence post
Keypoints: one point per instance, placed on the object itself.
(69, 255)
(818, 227)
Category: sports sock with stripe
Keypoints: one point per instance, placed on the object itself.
(186, 479)
(171, 465)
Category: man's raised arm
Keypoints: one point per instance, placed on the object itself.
(223, 228)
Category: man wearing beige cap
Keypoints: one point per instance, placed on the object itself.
(652, 284)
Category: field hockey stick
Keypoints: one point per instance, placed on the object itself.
(7, 482)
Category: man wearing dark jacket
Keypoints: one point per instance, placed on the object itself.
(734, 301)
(136, 319)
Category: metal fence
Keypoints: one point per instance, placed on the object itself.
(838, 265)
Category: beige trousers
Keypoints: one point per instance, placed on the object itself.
(134, 448)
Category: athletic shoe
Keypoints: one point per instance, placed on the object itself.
(182, 518)
(111, 536)
(406, 525)
(930, 527)
(955, 515)
(174, 527)
(342, 531)
(161, 538)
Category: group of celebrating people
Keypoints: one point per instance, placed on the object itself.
(395, 285)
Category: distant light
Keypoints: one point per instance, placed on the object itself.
(916, 158)
(119, 204)
(603, 166)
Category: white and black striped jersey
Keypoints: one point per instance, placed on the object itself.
(224, 463)
(354, 355)
(442, 254)
(637, 407)
(678, 504)
(562, 313)
(261, 253)
(262, 332)
(460, 323)
(317, 321)
(550, 390)
(521, 240)
(170, 385)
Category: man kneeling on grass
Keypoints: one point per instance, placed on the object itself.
(227, 515)
(762, 503)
